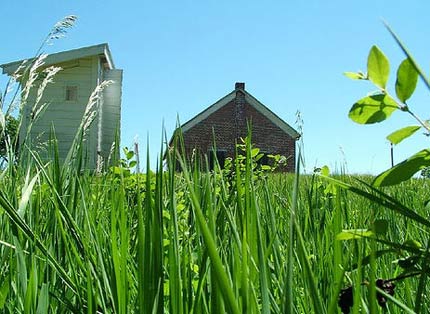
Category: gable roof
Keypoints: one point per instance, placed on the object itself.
(252, 101)
(64, 56)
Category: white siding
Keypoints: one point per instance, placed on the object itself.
(111, 112)
(64, 116)
(80, 75)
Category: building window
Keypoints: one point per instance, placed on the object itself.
(218, 155)
(264, 160)
(71, 93)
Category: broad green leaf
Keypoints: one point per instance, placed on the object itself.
(407, 77)
(116, 170)
(254, 152)
(354, 234)
(404, 170)
(378, 67)
(325, 171)
(397, 136)
(129, 155)
(355, 75)
(372, 109)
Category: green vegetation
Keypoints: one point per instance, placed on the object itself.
(10, 132)
(412, 253)
(381, 104)
(193, 242)
(242, 239)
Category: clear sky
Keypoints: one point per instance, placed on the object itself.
(181, 56)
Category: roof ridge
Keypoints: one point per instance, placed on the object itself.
(252, 101)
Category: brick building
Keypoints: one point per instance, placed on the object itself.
(226, 121)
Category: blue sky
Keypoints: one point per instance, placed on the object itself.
(179, 57)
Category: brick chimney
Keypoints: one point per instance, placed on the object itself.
(239, 85)
(240, 122)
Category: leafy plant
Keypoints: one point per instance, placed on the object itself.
(7, 137)
(262, 164)
(380, 105)
(199, 241)
(411, 255)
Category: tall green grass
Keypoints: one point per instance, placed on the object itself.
(195, 241)
(237, 240)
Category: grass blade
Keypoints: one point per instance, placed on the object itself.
(222, 277)
(409, 55)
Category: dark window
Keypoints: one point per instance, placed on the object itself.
(264, 160)
(218, 155)
(71, 93)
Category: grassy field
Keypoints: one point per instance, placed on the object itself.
(233, 240)
(238, 241)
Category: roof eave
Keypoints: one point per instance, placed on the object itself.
(260, 107)
(274, 118)
(108, 56)
(64, 56)
(208, 111)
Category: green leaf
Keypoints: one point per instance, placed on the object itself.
(413, 243)
(355, 75)
(380, 226)
(378, 67)
(325, 170)
(407, 77)
(397, 136)
(404, 170)
(372, 109)
(258, 157)
(354, 234)
(254, 152)
(129, 155)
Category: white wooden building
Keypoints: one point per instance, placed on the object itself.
(82, 70)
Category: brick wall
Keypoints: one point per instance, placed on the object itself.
(227, 124)
(220, 126)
